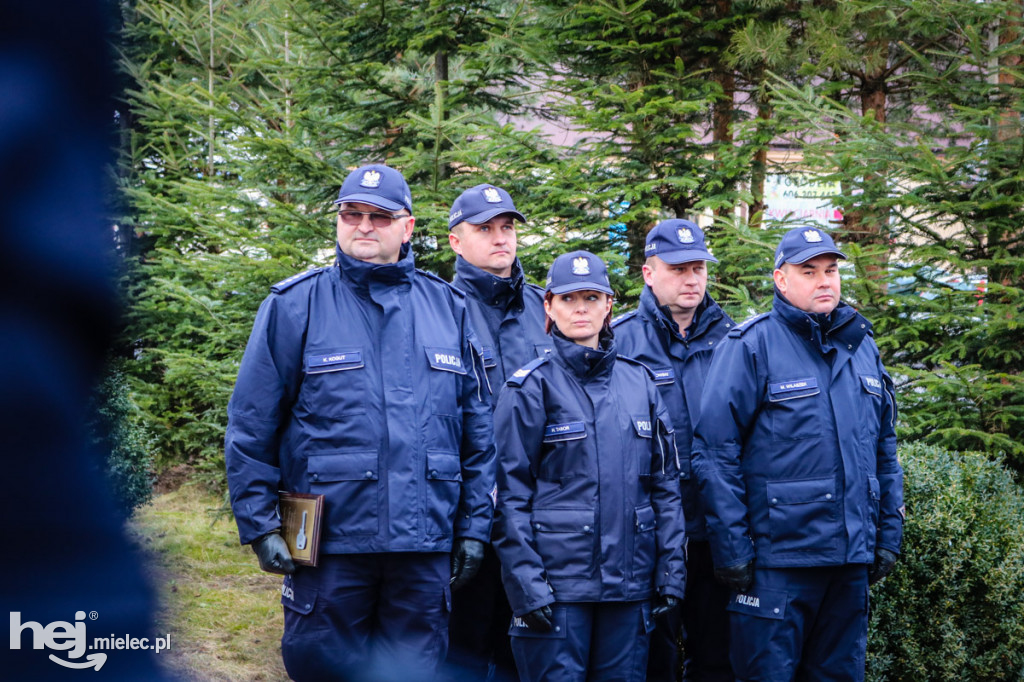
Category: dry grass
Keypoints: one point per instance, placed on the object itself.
(223, 613)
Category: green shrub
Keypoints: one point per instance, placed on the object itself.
(954, 607)
(123, 443)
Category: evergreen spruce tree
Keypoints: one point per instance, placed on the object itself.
(947, 180)
(242, 119)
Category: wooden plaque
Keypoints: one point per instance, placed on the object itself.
(301, 520)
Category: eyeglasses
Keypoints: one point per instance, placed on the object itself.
(377, 218)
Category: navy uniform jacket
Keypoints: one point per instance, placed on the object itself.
(588, 500)
(795, 449)
(508, 319)
(679, 364)
(359, 382)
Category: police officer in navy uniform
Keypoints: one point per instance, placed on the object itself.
(795, 453)
(359, 382)
(589, 524)
(508, 316)
(674, 332)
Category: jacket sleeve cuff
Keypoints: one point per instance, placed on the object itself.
(677, 591)
(254, 485)
(533, 605)
(473, 532)
(895, 549)
(527, 594)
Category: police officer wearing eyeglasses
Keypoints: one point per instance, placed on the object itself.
(589, 524)
(359, 382)
(795, 453)
(508, 316)
(675, 331)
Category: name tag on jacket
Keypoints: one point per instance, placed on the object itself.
(567, 431)
(664, 375)
(794, 388)
(333, 361)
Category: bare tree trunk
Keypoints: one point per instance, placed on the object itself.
(722, 110)
(209, 85)
(866, 224)
(759, 165)
(441, 66)
(1008, 128)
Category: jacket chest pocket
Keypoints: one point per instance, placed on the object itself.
(445, 370)
(564, 453)
(335, 382)
(795, 408)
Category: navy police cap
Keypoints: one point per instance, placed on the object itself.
(479, 204)
(578, 271)
(377, 185)
(677, 241)
(801, 244)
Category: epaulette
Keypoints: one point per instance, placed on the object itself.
(539, 290)
(519, 376)
(742, 327)
(441, 280)
(295, 279)
(634, 361)
(623, 317)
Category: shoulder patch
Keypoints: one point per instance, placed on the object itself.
(741, 328)
(454, 289)
(295, 279)
(623, 317)
(519, 376)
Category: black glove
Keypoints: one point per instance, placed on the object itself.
(739, 578)
(467, 555)
(884, 563)
(539, 620)
(663, 605)
(273, 554)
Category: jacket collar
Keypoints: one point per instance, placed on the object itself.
(845, 325)
(491, 289)
(361, 274)
(584, 362)
(707, 313)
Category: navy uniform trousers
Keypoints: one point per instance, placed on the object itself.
(589, 641)
(367, 617)
(801, 624)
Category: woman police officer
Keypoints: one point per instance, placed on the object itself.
(589, 523)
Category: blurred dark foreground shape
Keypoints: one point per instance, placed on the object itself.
(68, 575)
